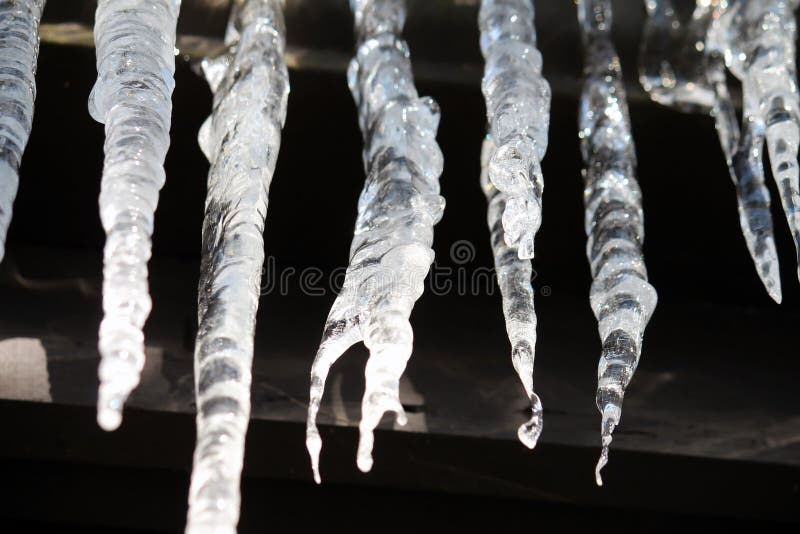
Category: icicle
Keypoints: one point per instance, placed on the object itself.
(758, 43)
(400, 203)
(19, 47)
(514, 278)
(241, 139)
(518, 110)
(621, 297)
(685, 70)
(135, 42)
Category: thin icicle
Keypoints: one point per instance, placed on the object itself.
(758, 43)
(135, 42)
(19, 47)
(518, 111)
(683, 69)
(621, 297)
(241, 139)
(514, 278)
(400, 203)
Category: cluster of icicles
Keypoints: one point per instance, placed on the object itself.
(682, 65)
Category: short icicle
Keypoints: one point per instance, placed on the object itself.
(135, 41)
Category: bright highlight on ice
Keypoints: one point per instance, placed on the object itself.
(621, 298)
(518, 112)
(241, 140)
(400, 203)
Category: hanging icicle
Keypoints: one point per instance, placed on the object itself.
(19, 48)
(621, 297)
(241, 139)
(135, 42)
(518, 111)
(684, 68)
(400, 203)
(757, 40)
(514, 278)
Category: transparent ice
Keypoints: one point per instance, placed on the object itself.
(621, 298)
(135, 41)
(400, 203)
(241, 139)
(684, 67)
(19, 48)
(514, 278)
(518, 111)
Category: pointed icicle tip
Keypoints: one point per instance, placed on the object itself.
(529, 432)
(314, 447)
(611, 415)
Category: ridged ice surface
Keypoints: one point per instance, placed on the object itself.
(518, 111)
(758, 40)
(683, 65)
(241, 139)
(19, 48)
(135, 41)
(514, 278)
(400, 203)
(621, 297)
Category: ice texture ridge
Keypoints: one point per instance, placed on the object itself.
(241, 140)
(135, 41)
(391, 253)
(19, 48)
(621, 297)
(518, 112)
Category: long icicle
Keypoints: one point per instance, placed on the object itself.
(19, 48)
(685, 70)
(135, 42)
(241, 139)
(514, 278)
(758, 43)
(518, 111)
(621, 297)
(400, 203)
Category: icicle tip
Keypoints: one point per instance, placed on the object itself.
(529, 432)
(611, 415)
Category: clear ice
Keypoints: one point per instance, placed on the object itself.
(621, 298)
(518, 111)
(514, 278)
(758, 40)
(391, 253)
(241, 140)
(684, 67)
(135, 41)
(19, 48)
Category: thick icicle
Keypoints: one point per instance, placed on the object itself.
(135, 42)
(241, 140)
(400, 203)
(518, 111)
(19, 47)
(514, 278)
(682, 69)
(621, 297)
(758, 42)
